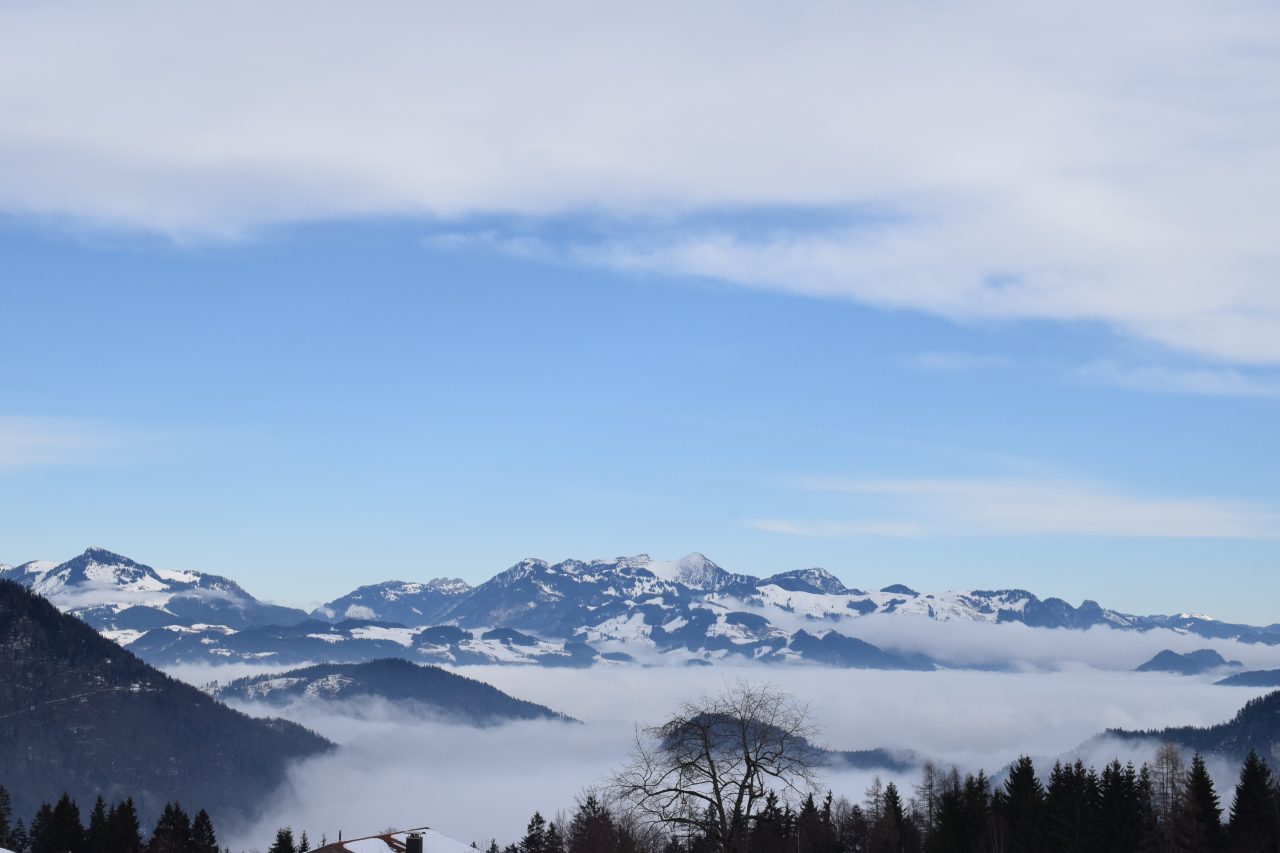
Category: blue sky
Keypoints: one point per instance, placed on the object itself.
(351, 327)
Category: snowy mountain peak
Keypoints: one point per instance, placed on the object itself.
(811, 580)
(97, 552)
(1202, 617)
(449, 586)
(397, 601)
(692, 570)
(100, 569)
(113, 592)
(697, 561)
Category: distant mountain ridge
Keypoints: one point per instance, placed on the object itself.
(574, 613)
(1190, 663)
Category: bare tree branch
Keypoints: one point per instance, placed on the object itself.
(709, 767)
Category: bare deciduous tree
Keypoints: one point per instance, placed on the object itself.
(1168, 778)
(708, 768)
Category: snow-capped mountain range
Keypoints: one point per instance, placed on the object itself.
(571, 613)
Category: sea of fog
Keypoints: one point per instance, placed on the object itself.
(397, 770)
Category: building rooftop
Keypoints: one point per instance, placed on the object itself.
(394, 842)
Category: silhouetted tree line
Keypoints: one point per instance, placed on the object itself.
(285, 842)
(1162, 807)
(59, 828)
(593, 827)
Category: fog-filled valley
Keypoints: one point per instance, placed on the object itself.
(394, 768)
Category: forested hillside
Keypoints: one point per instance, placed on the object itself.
(79, 714)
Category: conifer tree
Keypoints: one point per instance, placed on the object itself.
(1120, 821)
(894, 832)
(203, 838)
(6, 816)
(535, 836)
(1071, 804)
(98, 834)
(173, 831)
(977, 811)
(1197, 826)
(124, 829)
(554, 842)
(949, 830)
(19, 841)
(284, 842)
(1022, 809)
(769, 829)
(42, 830)
(814, 830)
(592, 828)
(1253, 811)
(67, 833)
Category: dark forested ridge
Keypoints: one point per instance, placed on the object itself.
(1190, 663)
(1255, 727)
(80, 714)
(1252, 678)
(430, 688)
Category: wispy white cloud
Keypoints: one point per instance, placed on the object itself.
(1066, 161)
(947, 361)
(31, 441)
(922, 507)
(1213, 381)
(894, 529)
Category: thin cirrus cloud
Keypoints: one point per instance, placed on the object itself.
(956, 362)
(1084, 161)
(1002, 507)
(1212, 381)
(35, 441)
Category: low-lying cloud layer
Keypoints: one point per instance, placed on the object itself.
(393, 769)
(1017, 646)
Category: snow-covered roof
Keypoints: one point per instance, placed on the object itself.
(394, 842)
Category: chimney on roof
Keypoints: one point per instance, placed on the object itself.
(413, 844)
